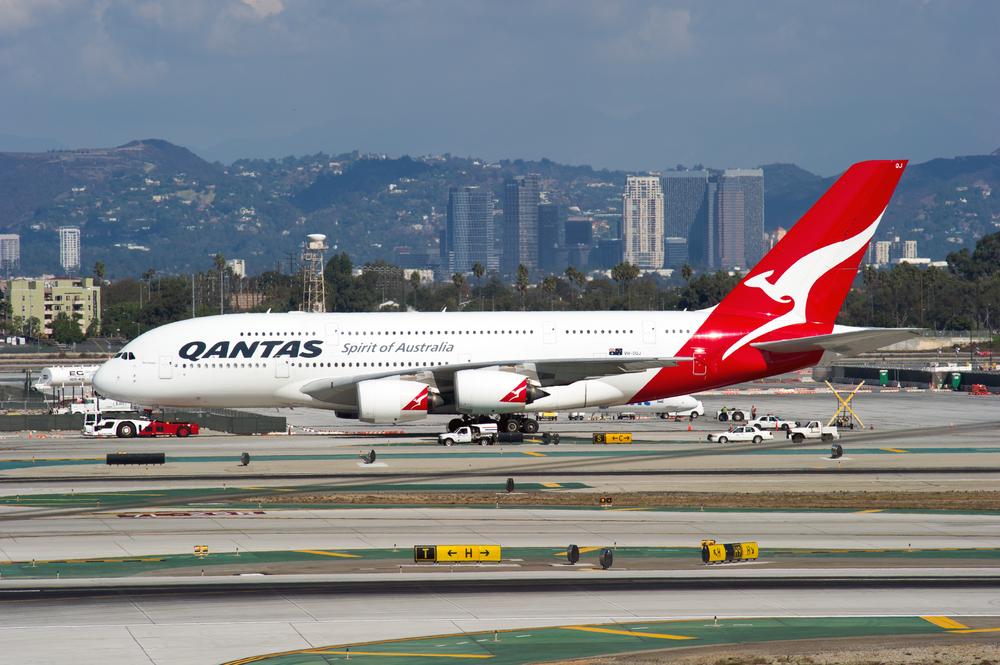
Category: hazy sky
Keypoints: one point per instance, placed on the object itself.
(632, 85)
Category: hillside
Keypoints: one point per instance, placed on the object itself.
(151, 204)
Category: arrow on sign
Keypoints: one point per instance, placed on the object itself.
(451, 552)
(485, 552)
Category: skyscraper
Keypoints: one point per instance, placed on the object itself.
(10, 251)
(69, 248)
(722, 216)
(737, 226)
(579, 231)
(468, 237)
(548, 234)
(520, 222)
(642, 222)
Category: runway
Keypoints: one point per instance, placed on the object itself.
(115, 576)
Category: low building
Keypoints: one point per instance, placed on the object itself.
(46, 299)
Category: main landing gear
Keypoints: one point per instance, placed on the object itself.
(507, 423)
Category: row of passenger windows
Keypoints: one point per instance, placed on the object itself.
(350, 364)
(278, 334)
(588, 332)
(443, 332)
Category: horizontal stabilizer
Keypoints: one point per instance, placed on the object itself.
(847, 342)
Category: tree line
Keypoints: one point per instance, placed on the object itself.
(964, 296)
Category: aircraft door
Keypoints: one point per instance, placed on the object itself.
(166, 367)
(549, 332)
(700, 364)
(332, 338)
(649, 332)
(281, 369)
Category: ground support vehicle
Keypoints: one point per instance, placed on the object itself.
(97, 425)
(773, 422)
(485, 434)
(548, 415)
(741, 433)
(696, 412)
(577, 415)
(736, 415)
(814, 429)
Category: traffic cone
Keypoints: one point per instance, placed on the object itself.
(689, 427)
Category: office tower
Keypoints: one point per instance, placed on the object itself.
(642, 222)
(548, 234)
(609, 253)
(468, 238)
(683, 199)
(579, 231)
(675, 252)
(69, 248)
(882, 248)
(738, 219)
(520, 222)
(10, 251)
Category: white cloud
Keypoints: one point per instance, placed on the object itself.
(264, 8)
(665, 31)
(16, 15)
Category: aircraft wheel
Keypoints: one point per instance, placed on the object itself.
(530, 426)
(510, 425)
(125, 430)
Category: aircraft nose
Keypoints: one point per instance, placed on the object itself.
(104, 381)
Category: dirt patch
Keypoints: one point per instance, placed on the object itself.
(886, 650)
(768, 500)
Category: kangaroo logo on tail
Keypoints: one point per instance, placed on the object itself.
(794, 285)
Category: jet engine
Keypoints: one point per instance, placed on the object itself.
(394, 400)
(492, 391)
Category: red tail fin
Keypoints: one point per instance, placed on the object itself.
(805, 278)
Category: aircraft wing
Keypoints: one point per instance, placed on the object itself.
(551, 372)
(847, 342)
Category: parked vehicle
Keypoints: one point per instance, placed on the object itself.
(485, 434)
(98, 425)
(812, 430)
(773, 422)
(577, 415)
(736, 415)
(741, 433)
(548, 415)
(696, 412)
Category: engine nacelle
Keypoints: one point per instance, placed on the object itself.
(393, 400)
(492, 391)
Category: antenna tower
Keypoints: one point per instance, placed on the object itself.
(313, 287)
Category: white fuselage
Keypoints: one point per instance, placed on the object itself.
(263, 360)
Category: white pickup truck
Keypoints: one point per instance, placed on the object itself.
(485, 434)
(812, 430)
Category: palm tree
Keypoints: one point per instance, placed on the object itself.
(687, 273)
(99, 272)
(522, 281)
(415, 282)
(549, 286)
(479, 270)
(458, 279)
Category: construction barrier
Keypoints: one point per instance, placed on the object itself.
(45, 422)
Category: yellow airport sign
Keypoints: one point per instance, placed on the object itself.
(612, 437)
(456, 553)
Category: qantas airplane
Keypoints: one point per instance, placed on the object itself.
(397, 367)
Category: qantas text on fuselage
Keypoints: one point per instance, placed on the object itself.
(398, 367)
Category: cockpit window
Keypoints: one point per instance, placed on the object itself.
(118, 355)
